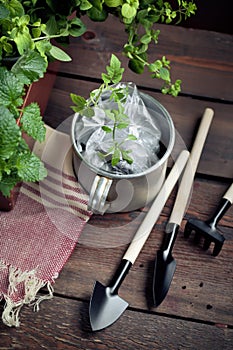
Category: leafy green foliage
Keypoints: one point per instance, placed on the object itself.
(29, 67)
(17, 162)
(120, 120)
(30, 25)
(31, 122)
(140, 18)
(30, 167)
(143, 22)
(11, 89)
(9, 134)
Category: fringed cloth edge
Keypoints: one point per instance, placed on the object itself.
(31, 285)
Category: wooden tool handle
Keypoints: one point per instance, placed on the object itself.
(152, 216)
(229, 194)
(190, 170)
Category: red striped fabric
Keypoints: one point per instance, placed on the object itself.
(40, 233)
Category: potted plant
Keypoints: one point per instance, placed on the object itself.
(120, 133)
(28, 29)
(26, 47)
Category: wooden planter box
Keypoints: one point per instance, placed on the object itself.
(8, 203)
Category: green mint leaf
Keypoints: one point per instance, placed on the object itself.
(75, 109)
(106, 79)
(97, 4)
(23, 41)
(9, 133)
(136, 66)
(131, 137)
(23, 21)
(165, 62)
(16, 8)
(51, 26)
(36, 32)
(128, 11)
(11, 89)
(30, 67)
(114, 70)
(80, 102)
(30, 168)
(126, 157)
(146, 39)
(7, 184)
(32, 122)
(4, 12)
(85, 5)
(110, 70)
(115, 63)
(164, 74)
(97, 15)
(113, 3)
(59, 54)
(122, 125)
(155, 66)
(116, 156)
(43, 47)
(76, 27)
(117, 76)
(106, 129)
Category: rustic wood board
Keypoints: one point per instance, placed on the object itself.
(202, 287)
(64, 324)
(201, 59)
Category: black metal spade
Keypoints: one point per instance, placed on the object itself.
(165, 264)
(208, 229)
(105, 305)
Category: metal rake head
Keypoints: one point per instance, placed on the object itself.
(207, 231)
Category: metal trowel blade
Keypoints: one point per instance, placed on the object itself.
(163, 275)
(105, 307)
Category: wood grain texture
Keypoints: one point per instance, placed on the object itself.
(202, 288)
(69, 329)
(201, 59)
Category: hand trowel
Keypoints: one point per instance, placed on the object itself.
(106, 306)
(165, 264)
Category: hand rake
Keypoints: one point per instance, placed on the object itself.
(207, 229)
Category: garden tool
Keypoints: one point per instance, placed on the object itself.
(207, 229)
(105, 305)
(165, 264)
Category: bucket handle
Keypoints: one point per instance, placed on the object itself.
(98, 195)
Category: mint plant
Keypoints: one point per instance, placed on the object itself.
(17, 162)
(120, 120)
(140, 18)
(31, 25)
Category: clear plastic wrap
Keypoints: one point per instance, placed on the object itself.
(92, 139)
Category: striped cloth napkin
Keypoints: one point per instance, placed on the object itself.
(40, 233)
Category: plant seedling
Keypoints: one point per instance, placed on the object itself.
(120, 120)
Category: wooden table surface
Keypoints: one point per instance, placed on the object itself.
(198, 310)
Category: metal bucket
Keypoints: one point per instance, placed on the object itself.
(111, 192)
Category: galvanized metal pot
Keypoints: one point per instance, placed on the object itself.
(111, 192)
